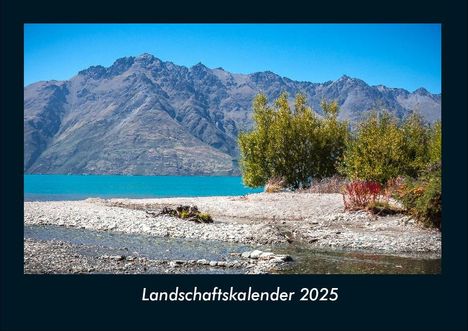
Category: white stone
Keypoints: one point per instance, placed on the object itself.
(255, 254)
(266, 255)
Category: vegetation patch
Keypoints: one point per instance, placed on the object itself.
(293, 144)
(370, 196)
(383, 158)
(383, 148)
(334, 184)
(275, 185)
(189, 213)
(359, 195)
(422, 197)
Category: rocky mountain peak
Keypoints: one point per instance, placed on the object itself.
(345, 79)
(422, 91)
(144, 116)
(264, 77)
(146, 60)
(199, 67)
(145, 56)
(95, 72)
(121, 65)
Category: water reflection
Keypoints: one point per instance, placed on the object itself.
(341, 262)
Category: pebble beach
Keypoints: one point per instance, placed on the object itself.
(316, 221)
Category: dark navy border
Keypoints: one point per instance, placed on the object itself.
(111, 302)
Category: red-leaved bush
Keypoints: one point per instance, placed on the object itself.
(359, 195)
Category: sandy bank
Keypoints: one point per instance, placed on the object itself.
(315, 220)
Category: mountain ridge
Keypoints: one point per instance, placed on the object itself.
(147, 55)
(144, 116)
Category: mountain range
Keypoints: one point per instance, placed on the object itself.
(144, 116)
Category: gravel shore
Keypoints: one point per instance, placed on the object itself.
(308, 219)
(57, 257)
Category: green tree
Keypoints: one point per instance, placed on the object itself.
(435, 143)
(416, 135)
(333, 136)
(254, 145)
(293, 144)
(377, 151)
(383, 148)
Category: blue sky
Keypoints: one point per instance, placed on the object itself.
(395, 55)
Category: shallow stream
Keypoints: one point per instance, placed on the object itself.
(307, 261)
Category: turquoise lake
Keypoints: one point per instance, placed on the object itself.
(76, 187)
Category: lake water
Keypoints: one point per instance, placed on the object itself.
(76, 187)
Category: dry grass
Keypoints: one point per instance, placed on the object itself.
(333, 184)
(275, 184)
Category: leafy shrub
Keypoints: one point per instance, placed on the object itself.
(295, 145)
(384, 148)
(416, 135)
(370, 196)
(376, 151)
(359, 195)
(435, 143)
(422, 197)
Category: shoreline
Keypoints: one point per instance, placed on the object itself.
(58, 257)
(307, 220)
